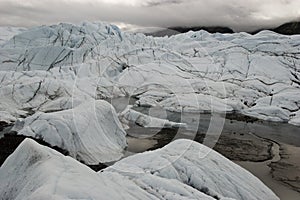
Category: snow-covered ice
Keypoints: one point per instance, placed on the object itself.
(130, 115)
(197, 166)
(44, 67)
(7, 33)
(182, 170)
(296, 119)
(35, 172)
(91, 132)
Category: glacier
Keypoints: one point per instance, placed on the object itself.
(181, 170)
(7, 33)
(54, 80)
(46, 67)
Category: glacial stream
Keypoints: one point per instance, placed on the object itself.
(260, 140)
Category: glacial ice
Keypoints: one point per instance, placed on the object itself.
(91, 132)
(56, 77)
(182, 170)
(130, 115)
(256, 75)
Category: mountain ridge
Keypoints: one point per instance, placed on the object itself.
(289, 28)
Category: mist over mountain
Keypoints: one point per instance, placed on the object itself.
(238, 15)
(290, 28)
(177, 30)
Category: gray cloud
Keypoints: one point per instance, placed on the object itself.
(237, 14)
(163, 2)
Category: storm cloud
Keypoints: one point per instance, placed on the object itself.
(240, 15)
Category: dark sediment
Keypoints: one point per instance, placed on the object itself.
(253, 150)
(98, 167)
(234, 146)
(287, 169)
(240, 117)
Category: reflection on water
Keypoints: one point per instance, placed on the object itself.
(199, 123)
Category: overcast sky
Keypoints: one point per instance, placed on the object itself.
(241, 15)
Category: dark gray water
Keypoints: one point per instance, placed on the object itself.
(199, 123)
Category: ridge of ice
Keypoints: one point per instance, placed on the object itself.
(182, 170)
(90, 132)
